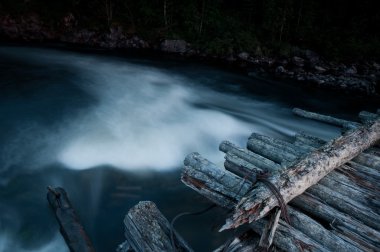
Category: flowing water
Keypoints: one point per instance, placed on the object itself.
(114, 131)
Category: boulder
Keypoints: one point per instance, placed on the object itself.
(174, 46)
(243, 56)
(298, 61)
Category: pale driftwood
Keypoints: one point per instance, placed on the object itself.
(305, 173)
(70, 227)
(253, 158)
(366, 116)
(212, 182)
(323, 118)
(342, 223)
(147, 230)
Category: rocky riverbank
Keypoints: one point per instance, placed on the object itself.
(304, 66)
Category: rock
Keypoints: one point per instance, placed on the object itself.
(280, 70)
(174, 46)
(298, 61)
(351, 70)
(243, 56)
(320, 69)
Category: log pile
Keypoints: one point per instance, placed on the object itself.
(331, 189)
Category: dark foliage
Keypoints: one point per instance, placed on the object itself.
(335, 28)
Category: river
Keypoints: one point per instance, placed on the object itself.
(114, 130)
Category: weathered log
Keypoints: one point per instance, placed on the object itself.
(367, 117)
(323, 118)
(70, 226)
(251, 157)
(287, 237)
(342, 223)
(339, 182)
(267, 235)
(242, 163)
(347, 205)
(305, 173)
(270, 151)
(146, 229)
(218, 185)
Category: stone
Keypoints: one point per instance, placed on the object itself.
(320, 69)
(280, 70)
(243, 56)
(174, 46)
(298, 61)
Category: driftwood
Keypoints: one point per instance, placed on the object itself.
(70, 227)
(225, 188)
(146, 229)
(305, 173)
(324, 118)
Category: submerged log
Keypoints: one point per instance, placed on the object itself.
(70, 227)
(147, 230)
(323, 118)
(303, 174)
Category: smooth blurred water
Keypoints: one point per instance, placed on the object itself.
(114, 130)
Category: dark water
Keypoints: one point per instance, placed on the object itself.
(113, 131)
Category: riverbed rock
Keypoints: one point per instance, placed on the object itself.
(174, 46)
(298, 61)
(243, 56)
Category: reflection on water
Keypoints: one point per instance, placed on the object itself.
(114, 131)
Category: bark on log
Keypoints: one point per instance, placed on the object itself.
(147, 230)
(287, 237)
(70, 227)
(323, 118)
(305, 173)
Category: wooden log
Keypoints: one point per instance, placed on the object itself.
(323, 118)
(286, 238)
(218, 185)
(305, 173)
(339, 182)
(251, 157)
(147, 230)
(70, 226)
(342, 223)
(267, 235)
(270, 151)
(366, 117)
(242, 163)
(347, 205)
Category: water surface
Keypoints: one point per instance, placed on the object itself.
(114, 130)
